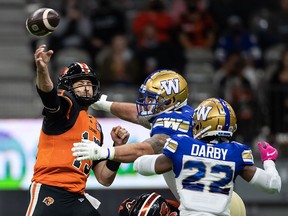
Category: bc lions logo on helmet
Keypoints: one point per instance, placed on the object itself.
(129, 205)
(164, 209)
(171, 84)
(48, 201)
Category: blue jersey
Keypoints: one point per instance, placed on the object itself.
(174, 122)
(205, 173)
(170, 123)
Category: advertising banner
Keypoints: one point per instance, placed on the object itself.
(18, 148)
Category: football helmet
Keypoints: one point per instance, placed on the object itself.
(149, 204)
(214, 117)
(77, 71)
(162, 91)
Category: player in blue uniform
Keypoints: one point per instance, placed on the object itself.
(161, 107)
(207, 165)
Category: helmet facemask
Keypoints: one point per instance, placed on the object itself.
(88, 99)
(75, 72)
(162, 91)
(150, 103)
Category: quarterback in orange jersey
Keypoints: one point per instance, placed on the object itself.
(59, 180)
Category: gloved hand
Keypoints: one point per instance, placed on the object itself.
(102, 104)
(267, 152)
(88, 150)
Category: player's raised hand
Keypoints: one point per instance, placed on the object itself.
(267, 152)
(88, 150)
(42, 58)
(119, 135)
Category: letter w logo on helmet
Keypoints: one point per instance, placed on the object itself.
(203, 112)
(171, 84)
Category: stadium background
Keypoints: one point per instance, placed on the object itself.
(20, 113)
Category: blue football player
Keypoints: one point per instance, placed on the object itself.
(161, 107)
(207, 165)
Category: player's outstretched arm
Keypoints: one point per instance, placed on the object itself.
(126, 153)
(267, 180)
(88, 150)
(152, 164)
(106, 170)
(42, 59)
(125, 111)
(130, 152)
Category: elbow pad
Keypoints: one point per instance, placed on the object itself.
(145, 165)
(267, 180)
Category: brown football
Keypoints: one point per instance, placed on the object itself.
(42, 22)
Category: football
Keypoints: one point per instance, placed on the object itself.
(42, 22)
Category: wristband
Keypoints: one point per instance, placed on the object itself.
(113, 165)
(110, 153)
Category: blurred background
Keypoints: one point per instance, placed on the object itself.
(237, 50)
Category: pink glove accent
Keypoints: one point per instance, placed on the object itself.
(267, 152)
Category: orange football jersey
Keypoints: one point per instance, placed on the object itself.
(55, 165)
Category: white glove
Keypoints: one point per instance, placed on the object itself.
(102, 104)
(89, 150)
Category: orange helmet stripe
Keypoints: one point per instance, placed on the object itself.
(64, 71)
(85, 68)
(149, 202)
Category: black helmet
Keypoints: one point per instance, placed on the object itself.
(77, 71)
(149, 204)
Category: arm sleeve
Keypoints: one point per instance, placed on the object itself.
(145, 165)
(267, 180)
(50, 100)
